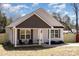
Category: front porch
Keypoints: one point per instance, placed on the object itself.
(30, 36)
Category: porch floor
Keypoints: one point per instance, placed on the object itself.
(28, 45)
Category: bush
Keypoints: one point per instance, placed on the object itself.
(55, 42)
(6, 43)
(2, 30)
(59, 42)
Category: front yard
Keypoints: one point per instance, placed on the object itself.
(40, 51)
(34, 51)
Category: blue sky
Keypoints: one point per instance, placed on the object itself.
(20, 9)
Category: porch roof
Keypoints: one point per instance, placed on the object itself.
(43, 15)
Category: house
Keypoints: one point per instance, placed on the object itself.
(37, 27)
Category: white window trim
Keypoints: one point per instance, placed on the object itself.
(24, 33)
(58, 34)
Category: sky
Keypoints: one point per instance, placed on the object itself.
(15, 10)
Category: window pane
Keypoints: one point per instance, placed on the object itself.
(22, 32)
(56, 35)
(22, 36)
(28, 34)
(56, 31)
(27, 31)
(52, 33)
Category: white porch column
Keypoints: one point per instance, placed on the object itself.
(40, 36)
(49, 36)
(15, 36)
(61, 34)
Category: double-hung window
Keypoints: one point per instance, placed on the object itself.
(22, 34)
(55, 33)
(28, 34)
(25, 34)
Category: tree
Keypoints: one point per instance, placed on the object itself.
(9, 21)
(57, 16)
(3, 21)
(75, 5)
(65, 20)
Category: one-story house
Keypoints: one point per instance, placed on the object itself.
(37, 27)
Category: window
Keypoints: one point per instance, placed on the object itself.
(52, 33)
(25, 34)
(22, 34)
(28, 34)
(55, 33)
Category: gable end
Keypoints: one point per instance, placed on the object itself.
(33, 22)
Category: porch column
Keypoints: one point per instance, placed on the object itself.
(49, 36)
(40, 36)
(15, 36)
(61, 34)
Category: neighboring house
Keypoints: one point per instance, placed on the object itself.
(67, 31)
(37, 27)
(74, 30)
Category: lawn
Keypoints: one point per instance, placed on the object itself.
(69, 38)
(40, 51)
(34, 51)
(3, 37)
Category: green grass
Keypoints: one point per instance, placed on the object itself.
(69, 38)
(3, 37)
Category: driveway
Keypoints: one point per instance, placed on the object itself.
(63, 45)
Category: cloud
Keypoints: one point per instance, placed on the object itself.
(72, 16)
(23, 14)
(11, 8)
(49, 11)
(15, 10)
(52, 4)
(35, 4)
(18, 7)
(5, 6)
(58, 8)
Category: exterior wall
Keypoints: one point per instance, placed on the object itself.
(10, 34)
(35, 35)
(45, 35)
(61, 35)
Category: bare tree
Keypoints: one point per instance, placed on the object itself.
(75, 5)
(65, 20)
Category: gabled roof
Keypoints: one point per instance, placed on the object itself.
(46, 17)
